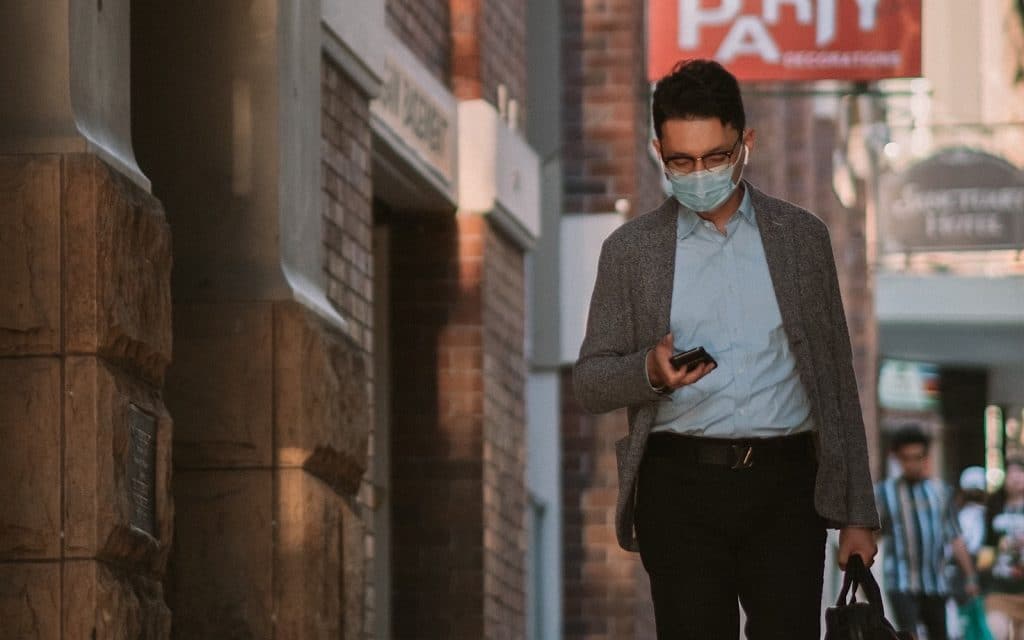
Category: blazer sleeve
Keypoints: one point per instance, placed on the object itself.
(611, 371)
(860, 497)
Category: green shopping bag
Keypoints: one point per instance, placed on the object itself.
(972, 620)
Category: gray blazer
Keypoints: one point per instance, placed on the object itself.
(629, 314)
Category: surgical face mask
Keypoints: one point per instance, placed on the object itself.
(705, 190)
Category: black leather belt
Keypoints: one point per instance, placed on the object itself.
(735, 454)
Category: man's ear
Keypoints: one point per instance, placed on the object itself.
(657, 147)
(748, 139)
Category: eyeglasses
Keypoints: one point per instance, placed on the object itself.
(682, 165)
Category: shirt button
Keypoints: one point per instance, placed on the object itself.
(743, 412)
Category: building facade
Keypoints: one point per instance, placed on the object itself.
(263, 338)
(951, 282)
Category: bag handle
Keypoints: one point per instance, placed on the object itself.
(857, 574)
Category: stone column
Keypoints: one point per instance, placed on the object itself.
(85, 336)
(270, 384)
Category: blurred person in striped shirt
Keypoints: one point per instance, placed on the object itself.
(919, 523)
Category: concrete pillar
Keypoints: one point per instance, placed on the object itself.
(85, 336)
(272, 389)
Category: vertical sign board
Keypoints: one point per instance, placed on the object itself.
(141, 472)
(788, 39)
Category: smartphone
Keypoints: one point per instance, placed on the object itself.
(691, 358)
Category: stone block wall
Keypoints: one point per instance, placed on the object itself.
(274, 421)
(85, 337)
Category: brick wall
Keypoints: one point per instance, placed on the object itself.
(348, 221)
(489, 49)
(424, 27)
(437, 428)
(458, 428)
(504, 453)
(605, 112)
(606, 137)
(606, 592)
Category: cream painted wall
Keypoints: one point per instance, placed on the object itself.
(968, 58)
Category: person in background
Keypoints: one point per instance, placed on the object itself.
(972, 513)
(1005, 601)
(969, 612)
(918, 521)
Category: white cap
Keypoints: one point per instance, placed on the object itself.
(972, 479)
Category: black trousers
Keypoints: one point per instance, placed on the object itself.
(710, 535)
(910, 608)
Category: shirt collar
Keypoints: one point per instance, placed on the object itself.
(688, 219)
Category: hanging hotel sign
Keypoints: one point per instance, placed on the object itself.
(789, 39)
(956, 199)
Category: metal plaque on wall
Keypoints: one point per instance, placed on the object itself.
(141, 470)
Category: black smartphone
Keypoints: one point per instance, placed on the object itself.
(691, 358)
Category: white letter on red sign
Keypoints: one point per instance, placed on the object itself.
(692, 18)
(748, 36)
(825, 32)
(868, 13)
(803, 10)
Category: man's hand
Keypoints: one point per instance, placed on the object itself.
(661, 372)
(859, 540)
(963, 558)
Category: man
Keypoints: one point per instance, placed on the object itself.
(732, 470)
(919, 521)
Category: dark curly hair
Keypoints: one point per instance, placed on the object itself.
(698, 89)
(910, 434)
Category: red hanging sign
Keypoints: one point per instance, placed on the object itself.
(788, 39)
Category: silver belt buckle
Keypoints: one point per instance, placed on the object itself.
(743, 457)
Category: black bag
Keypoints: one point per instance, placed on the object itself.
(852, 620)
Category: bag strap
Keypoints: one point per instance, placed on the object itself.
(858, 575)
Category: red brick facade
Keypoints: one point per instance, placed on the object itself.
(424, 27)
(504, 377)
(605, 590)
(606, 140)
(489, 49)
(457, 335)
(457, 445)
(605, 112)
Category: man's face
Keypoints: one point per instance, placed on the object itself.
(913, 459)
(696, 138)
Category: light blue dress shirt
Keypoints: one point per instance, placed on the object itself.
(723, 300)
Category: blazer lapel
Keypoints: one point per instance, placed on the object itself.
(658, 267)
(779, 251)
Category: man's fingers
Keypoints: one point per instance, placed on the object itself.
(682, 377)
